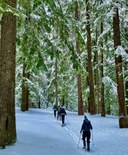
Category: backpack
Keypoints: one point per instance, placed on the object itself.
(63, 110)
(58, 109)
(87, 126)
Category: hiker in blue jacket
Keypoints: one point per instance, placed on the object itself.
(85, 128)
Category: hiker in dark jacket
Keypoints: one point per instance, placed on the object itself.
(55, 109)
(63, 113)
(59, 113)
(85, 128)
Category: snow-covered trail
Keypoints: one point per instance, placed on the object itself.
(39, 133)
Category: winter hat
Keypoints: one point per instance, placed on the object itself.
(85, 117)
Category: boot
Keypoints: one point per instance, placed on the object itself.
(84, 144)
(88, 146)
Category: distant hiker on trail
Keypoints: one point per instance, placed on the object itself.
(63, 113)
(58, 112)
(85, 128)
(55, 109)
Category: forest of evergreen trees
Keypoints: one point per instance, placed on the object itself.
(70, 51)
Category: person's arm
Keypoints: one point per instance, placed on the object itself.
(82, 127)
(91, 126)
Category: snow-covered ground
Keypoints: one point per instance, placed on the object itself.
(39, 133)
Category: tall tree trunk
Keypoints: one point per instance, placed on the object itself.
(48, 92)
(63, 100)
(96, 77)
(126, 90)
(126, 84)
(56, 83)
(90, 65)
(119, 73)
(25, 91)
(39, 102)
(88, 100)
(124, 29)
(102, 75)
(108, 108)
(7, 77)
(80, 101)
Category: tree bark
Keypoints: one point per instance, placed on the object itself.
(126, 84)
(102, 75)
(119, 73)
(97, 77)
(90, 65)
(25, 91)
(7, 77)
(80, 101)
(56, 83)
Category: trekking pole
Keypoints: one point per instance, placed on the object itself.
(92, 138)
(79, 140)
